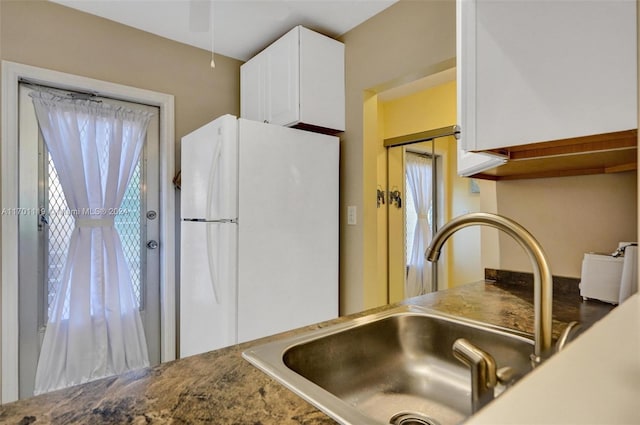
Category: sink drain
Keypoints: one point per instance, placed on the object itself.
(409, 418)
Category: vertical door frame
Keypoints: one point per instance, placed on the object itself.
(12, 74)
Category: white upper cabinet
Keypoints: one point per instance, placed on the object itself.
(536, 71)
(297, 81)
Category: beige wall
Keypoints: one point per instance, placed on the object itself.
(51, 36)
(569, 216)
(402, 42)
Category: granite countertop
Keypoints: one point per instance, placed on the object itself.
(220, 387)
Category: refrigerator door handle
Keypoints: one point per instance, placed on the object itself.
(212, 175)
(212, 264)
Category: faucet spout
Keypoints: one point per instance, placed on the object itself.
(543, 282)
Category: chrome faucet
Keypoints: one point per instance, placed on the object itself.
(543, 283)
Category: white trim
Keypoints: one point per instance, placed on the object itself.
(469, 163)
(12, 73)
(466, 72)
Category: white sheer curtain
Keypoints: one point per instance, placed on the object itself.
(419, 181)
(95, 328)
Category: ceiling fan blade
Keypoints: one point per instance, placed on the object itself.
(199, 15)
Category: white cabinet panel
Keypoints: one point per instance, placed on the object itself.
(470, 163)
(283, 80)
(322, 98)
(298, 81)
(253, 93)
(535, 71)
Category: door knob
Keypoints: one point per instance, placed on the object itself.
(152, 244)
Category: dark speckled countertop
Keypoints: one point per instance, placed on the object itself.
(220, 387)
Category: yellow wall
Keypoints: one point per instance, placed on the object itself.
(395, 250)
(428, 109)
(382, 212)
(406, 40)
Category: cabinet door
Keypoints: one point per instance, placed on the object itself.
(288, 248)
(283, 79)
(535, 71)
(322, 101)
(253, 89)
(469, 163)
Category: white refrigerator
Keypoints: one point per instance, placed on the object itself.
(259, 232)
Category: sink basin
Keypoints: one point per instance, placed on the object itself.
(393, 367)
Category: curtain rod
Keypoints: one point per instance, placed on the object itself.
(423, 136)
(419, 153)
(63, 92)
(82, 94)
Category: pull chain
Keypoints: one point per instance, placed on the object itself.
(213, 62)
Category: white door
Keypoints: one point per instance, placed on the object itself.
(45, 225)
(288, 229)
(210, 171)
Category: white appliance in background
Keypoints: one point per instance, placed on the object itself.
(259, 242)
(610, 277)
(600, 277)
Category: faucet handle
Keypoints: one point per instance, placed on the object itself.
(568, 334)
(483, 371)
(505, 375)
(478, 359)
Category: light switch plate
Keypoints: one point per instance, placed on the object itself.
(351, 215)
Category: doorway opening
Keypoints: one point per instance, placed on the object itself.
(401, 113)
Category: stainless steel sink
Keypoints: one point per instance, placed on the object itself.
(394, 367)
